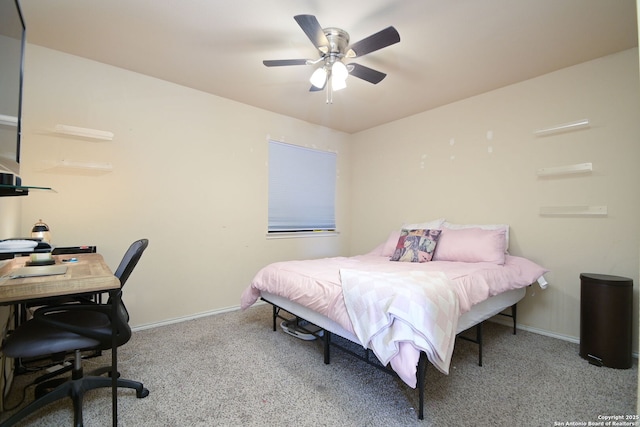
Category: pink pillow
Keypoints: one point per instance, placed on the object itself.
(390, 245)
(471, 245)
(528, 271)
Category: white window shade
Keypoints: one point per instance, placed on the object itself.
(302, 184)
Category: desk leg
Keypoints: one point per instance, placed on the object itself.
(115, 301)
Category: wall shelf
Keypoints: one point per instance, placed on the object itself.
(573, 211)
(564, 127)
(11, 186)
(20, 190)
(8, 120)
(566, 170)
(79, 168)
(87, 133)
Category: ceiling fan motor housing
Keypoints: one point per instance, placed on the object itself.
(338, 41)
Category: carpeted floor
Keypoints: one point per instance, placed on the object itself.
(231, 369)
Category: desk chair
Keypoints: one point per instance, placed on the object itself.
(77, 328)
(22, 312)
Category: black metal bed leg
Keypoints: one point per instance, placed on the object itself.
(479, 341)
(326, 339)
(275, 316)
(422, 373)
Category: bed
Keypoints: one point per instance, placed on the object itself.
(408, 299)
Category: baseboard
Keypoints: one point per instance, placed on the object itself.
(186, 318)
(496, 319)
(509, 323)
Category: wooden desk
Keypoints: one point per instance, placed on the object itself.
(89, 274)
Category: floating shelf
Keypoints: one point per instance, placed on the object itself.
(21, 190)
(565, 127)
(573, 211)
(80, 168)
(84, 132)
(566, 170)
(8, 120)
(11, 185)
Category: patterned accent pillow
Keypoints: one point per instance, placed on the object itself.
(416, 245)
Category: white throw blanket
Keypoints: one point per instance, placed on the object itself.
(389, 310)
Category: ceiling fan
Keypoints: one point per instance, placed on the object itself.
(333, 45)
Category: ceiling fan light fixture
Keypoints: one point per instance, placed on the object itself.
(319, 78)
(339, 74)
(339, 71)
(334, 46)
(338, 84)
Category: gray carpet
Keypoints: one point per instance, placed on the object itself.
(232, 370)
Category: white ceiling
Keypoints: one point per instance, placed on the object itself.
(449, 49)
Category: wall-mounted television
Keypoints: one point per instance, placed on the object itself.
(12, 42)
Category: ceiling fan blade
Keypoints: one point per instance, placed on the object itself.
(314, 31)
(284, 62)
(366, 73)
(315, 89)
(376, 41)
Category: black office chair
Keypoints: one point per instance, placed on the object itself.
(22, 309)
(68, 250)
(77, 328)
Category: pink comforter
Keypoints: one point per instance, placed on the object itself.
(316, 284)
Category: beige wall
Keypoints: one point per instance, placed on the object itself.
(443, 163)
(189, 173)
(10, 226)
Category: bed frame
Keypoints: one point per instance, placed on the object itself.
(473, 318)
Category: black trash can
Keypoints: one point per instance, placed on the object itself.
(606, 307)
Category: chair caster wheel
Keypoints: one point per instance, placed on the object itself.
(142, 393)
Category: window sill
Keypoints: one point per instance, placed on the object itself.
(301, 234)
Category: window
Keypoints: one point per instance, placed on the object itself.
(302, 183)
